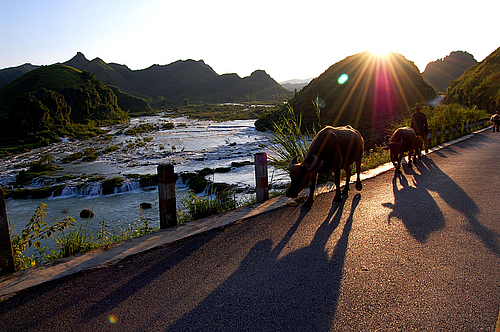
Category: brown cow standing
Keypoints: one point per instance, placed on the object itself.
(495, 121)
(333, 149)
(404, 140)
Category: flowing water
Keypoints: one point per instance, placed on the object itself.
(191, 145)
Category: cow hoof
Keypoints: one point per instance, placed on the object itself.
(337, 198)
(359, 186)
(345, 191)
(308, 204)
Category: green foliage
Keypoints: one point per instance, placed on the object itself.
(72, 157)
(90, 154)
(222, 112)
(197, 207)
(54, 100)
(38, 168)
(133, 105)
(36, 230)
(478, 86)
(109, 185)
(287, 140)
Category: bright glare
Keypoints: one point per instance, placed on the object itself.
(343, 78)
(380, 51)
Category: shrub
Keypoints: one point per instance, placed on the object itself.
(109, 185)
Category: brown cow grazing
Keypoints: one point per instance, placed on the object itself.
(333, 149)
(404, 140)
(495, 121)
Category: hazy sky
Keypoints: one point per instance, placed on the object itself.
(288, 39)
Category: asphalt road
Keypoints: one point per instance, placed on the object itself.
(418, 251)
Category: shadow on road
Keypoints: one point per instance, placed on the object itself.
(295, 292)
(415, 207)
(456, 198)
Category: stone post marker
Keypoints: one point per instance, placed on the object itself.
(166, 193)
(261, 185)
(6, 255)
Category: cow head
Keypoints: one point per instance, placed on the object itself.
(396, 149)
(300, 174)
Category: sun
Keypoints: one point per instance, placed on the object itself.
(380, 51)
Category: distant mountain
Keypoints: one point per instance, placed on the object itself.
(364, 91)
(441, 72)
(478, 86)
(178, 81)
(296, 84)
(7, 75)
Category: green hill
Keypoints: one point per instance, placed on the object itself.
(51, 98)
(441, 72)
(365, 91)
(478, 86)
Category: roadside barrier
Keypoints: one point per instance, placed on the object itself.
(166, 193)
(6, 254)
(261, 182)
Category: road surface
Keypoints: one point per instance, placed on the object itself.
(416, 251)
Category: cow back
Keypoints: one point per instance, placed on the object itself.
(408, 136)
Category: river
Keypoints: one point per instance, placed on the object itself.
(191, 145)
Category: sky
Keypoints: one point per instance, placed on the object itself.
(288, 39)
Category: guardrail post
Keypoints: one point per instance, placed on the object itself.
(454, 131)
(438, 136)
(6, 254)
(166, 193)
(261, 184)
(447, 133)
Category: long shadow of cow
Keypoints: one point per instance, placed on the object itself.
(296, 292)
(414, 206)
(456, 198)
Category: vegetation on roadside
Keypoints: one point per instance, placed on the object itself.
(70, 238)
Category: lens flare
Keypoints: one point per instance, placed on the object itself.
(343, 78)
(113, 319)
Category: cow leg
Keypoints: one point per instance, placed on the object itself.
(336, 180)
(312, 188)
(359, 186)
(398, 166)
(348, 174)
(410, 155)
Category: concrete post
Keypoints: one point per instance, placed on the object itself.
(166, 193)
(438, 136)
(447, 133)
(261, 184)
(429, 138)
(6, 254)
(454, 131)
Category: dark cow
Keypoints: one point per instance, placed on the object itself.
(333, 149)
(404, 140)
(495, 121)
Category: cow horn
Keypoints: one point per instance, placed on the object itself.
(293, 162)
(314, 162)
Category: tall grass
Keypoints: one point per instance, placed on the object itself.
(211, 203)
(287, 139)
